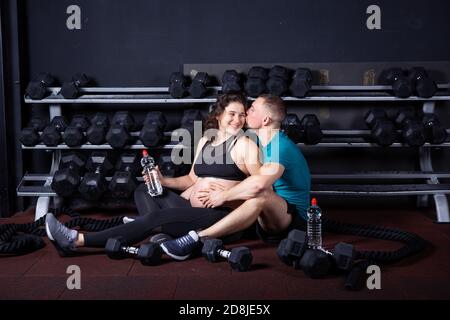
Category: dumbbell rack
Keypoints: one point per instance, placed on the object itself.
(348, 138)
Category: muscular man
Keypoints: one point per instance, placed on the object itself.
(277, 198)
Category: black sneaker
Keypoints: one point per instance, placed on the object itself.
(160, 238)
(62, 237)
(181, 248)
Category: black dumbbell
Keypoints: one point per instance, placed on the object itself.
(71, 90)
(199, 85)
(74, 133)
(118, 135)
(37, 89)
(435, 133)
(382, 129)
(124, 182)
(29, 136)
(231, 81)
(292, 128)
(413, 132)
(343, 256)
(94, 184)
(96, 133)
(239, 258)
(149, 253)
(311, 132)
(167, 167)
(315, 263)
(301, 82)
(51, 136)
(190, 116)
(178, 85)
(402, 86)
(278, 82)
(425, 87)
(152, 132)
(293, 247)
(256, 81)
(66, 180)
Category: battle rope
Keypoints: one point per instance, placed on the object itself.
(413, 244)
(17, 239)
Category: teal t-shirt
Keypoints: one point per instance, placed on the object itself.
(295, 183)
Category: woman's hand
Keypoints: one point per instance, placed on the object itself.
(213, 196)
(161, 177)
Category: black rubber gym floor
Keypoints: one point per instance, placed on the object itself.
(42, 274)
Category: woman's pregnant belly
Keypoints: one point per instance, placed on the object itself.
(191, 193)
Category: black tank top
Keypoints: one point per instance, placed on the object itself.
(216, 161)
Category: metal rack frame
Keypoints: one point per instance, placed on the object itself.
(159, 95)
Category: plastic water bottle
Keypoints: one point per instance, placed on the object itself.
(314, 228)
(153, 183)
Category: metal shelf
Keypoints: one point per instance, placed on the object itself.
(105, 146)
(357, 141)
(332, 138)
(160, 95)
(45, 190)
(89, 146)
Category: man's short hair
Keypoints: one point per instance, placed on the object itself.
(276, 107)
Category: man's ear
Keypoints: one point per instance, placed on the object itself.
(266, 120)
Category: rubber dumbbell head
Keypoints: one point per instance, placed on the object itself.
(74, 135)
(293, 247)
(301, 82)
(292, 127)
(152, 132)
(344, 256)
(435, 133)
(37, 89)
(124, 182)
(382, 129)
(30, 136)
(402, 86)
(94, 184)
(315, 263)
(231, 81)
(198, 87)
(96, 133)
(150, 254)
(255, 86)
(312, 134)
(71, 90)
(412, 128)
(279, 72)
(118, 135)
(113, 248)
(425, 87)
(277, 86)
(51, 136)
(240, 258)
(66, 180)
(178, 84)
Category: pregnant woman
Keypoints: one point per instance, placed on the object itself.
(223, 159)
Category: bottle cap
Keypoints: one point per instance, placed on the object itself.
(314, 202)
(144, 153)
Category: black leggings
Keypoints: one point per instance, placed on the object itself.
(171, 213)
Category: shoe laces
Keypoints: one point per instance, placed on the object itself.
(186, 241)
(66, 232)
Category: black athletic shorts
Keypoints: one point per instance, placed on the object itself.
(296, 223)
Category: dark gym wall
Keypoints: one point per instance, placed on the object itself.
(140, 42)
